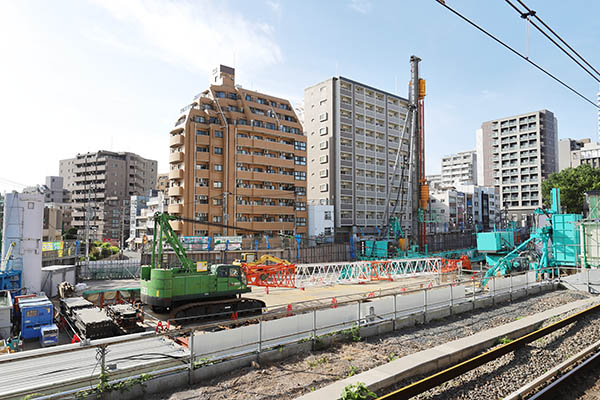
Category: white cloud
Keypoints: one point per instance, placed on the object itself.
(361, 6)
(196, 35)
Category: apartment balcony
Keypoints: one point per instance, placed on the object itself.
(177, 226)
(266, 226)
(176, 174)
(176, 157)
(175, 208)
(176, 141)
(269, 210)
(176, 191)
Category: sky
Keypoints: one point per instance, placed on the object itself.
(88, 75)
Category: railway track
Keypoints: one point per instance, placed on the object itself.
(537, 365)
(556, 383)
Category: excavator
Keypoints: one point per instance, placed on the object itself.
(192, 290)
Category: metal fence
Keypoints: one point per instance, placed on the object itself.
(311, 325)
(109, 269)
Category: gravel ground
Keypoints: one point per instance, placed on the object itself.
(302, 373)
(502, 376)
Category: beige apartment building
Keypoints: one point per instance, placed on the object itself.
(237, 158)
(103, 182)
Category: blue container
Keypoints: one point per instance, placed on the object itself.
(494, 242)
(565, 239)
(35, 312)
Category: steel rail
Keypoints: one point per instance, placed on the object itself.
(550, 390)
(438, 378)
(543, 380)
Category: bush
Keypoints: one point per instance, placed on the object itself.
(114, 249)
(106, 252)
(106, 245)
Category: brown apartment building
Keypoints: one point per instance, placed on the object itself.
(237, 158)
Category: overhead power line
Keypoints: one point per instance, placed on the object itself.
(531, 13)
(558, 36)
(441, 2)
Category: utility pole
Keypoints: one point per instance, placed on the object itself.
(295, 217)
(225, 214)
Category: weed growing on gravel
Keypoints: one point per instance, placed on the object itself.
(391, 357)
(352, 371)
(519, 317)
(504, 340)
(358, 391)
(318, 361)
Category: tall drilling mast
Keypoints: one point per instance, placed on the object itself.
(419, 198)
(415, 146)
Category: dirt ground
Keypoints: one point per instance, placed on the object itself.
(304, 372)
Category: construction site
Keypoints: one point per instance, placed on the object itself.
(393, 312)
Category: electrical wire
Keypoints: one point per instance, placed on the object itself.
(532, 13)
(512, 50)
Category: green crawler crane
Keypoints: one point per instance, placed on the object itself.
(192, 290)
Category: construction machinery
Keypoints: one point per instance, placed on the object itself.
(193, 289)
(268, 271)
(553, 242)
(10, 279)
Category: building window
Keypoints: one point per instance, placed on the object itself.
(299, 160)
(299, 176)
(201, 132)
(323, 187)
(201, 199)
(219, 134)
(323, 145)
(301, 221)
(328, 231)
(218, 167)
(323, 159)
(218, 150)
(323, 173)
(217, 202)
(323, 131)
(327, 215)
(220, 95)
(202, 149)
(201, 182)
(217, 184)
(300, 206)
(323, 117)
(300, 146)
(217, 219)
(202, 217)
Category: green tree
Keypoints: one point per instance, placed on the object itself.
(573, 183)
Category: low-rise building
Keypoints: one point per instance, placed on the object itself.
(568, 154)
(321, 224)
(463, 207)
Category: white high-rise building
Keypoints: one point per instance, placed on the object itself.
(517, 153)
(460, 169)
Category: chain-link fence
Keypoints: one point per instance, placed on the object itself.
(109, 269)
